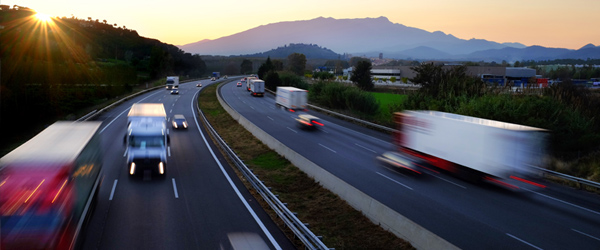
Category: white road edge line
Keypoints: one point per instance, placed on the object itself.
(397, 182)
(175, 189)
(327, 148)
(449, 181)
(365, 148)
(598, 239)
(549, 197)
(240, 196)
(112, 192)
(529, 244)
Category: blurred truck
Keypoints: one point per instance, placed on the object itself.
(147, 138)
(473, 148)
(172, 82)
(216, 75)
(48, 187)
(257, 87)
(291, 98)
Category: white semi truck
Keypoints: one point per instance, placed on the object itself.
(257, 87)
(147, 138)
(479, 149)
(172, 82)
(291, 98)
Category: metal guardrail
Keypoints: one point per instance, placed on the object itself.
(300, 229)
(579, 181)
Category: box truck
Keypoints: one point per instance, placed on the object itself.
(48, 187)
(257, 87)
(247, 80)
(172, 82)
(291, 98)
(474, 148)
(147, 138)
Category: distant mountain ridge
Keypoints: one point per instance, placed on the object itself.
(371, 36)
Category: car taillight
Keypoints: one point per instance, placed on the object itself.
(318, 123)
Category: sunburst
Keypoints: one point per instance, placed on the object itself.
(44, 18)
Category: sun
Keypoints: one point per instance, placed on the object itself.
(43, 17)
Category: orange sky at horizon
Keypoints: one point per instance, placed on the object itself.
(551, 23)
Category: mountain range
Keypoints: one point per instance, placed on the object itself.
(371, 36)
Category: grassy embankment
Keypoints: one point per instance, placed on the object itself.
(341, 226)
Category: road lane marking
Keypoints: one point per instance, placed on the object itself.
(237, 191)
(365, 148)
(327, 148)
(125, 154)
(529, 244)
(549, 197)
(449, 181)
(112, 193)
(598, 239)
(169, 150)
(175, 189)
(397, 182)
(270, 118)
(292, 130)
(252, 107)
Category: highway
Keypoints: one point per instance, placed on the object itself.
(468, 215)
(201, 204)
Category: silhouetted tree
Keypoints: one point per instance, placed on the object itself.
(361, 75)
(297, 63)
(246, 67)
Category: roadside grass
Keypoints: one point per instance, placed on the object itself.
(386, 103)
(341, 226)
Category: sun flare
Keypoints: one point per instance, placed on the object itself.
(43, 17)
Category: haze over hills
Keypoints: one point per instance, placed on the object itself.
(371, 36)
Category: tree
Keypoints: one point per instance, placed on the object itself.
(361, 75)
(265, 68)
(297, 63)
(272, 80)
(246, 67)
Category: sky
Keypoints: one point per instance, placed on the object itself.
(550, 23)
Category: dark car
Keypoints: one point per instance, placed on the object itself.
(179, 122)
(401, 162)
(308, 122)
(175, 92)
(239, 84)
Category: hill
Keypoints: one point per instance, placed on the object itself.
(311, 51)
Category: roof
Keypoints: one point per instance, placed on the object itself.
(292, 89)
(62, 141)
(147, 109)
(481, 121)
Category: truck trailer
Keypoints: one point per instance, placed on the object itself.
(291, 98)
(477, 149)
(172, 82)
(257, 87)
(216, 75)
(147, 139)
(246, 81)
(48, 187)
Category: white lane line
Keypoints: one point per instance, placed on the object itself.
(292, 130)
(124, 154)
(169, 119)
(397, 182)
(449, 181)
(327, 148)
(365, 148)
(169, 150)
(170, 111)
(237, 191)
(112, 193)
(529, 244)
(580, 207)
(252, 107)
(175, 189)
(270, 118)
(598, 239)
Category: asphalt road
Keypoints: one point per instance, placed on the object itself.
(201, 204)
(470, 216)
